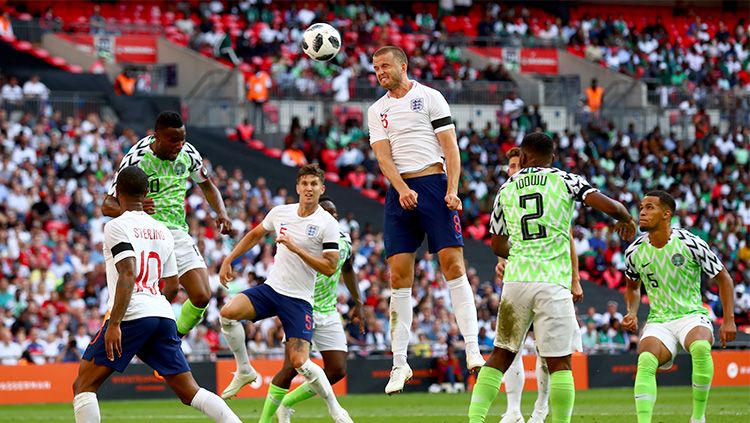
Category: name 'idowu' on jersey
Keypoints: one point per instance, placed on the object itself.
(410, 124)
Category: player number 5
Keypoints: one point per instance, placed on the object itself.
(652, 281)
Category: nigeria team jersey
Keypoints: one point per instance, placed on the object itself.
(326, 287)
(672, 274)
(167, 179)
(535, 208)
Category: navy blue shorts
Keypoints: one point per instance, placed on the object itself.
(404, 230)
(153, 339)
(295, 314)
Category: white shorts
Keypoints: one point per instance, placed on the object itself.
(328, 332)
(549, 307)
(672, 334)
(186, 253)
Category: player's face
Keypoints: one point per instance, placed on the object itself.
(330, 208)
(309, 189)
(388, 70)
(652, 214)
(169, 142)
(514, 165)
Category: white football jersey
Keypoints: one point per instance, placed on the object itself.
(410, 123)
(136, 234)
(316, 233)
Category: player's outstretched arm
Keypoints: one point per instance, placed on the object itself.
(625, 224)
(407, 197)
(728, 330)
(449, 144)
(226, 273)
(357, 313)
(123, 293)
(326, 264)
(111, 207)
(217, 203)
(633, 303)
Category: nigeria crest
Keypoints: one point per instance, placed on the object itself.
(179, 168)
(678, 259)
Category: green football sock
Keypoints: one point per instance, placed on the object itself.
(298, 395)
(645, 386)
(273, 400)
(190, 316)
(562, 396)
(485, 392)
(703, 373)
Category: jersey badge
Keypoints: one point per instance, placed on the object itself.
(678, 259)
(179, 168)
(417, 104)
(311, 231)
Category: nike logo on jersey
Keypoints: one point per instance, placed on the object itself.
(646, 264)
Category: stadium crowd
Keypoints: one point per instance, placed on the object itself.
(55, 170)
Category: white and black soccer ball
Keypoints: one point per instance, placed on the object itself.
(321, 42)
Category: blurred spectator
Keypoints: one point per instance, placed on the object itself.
(35, 89)
(12, 93)
(10, 351)
(594, 97)
(258, 86)
(97, 22)
(6, 25)
(125, 83)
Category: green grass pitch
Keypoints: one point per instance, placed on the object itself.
(598, 405)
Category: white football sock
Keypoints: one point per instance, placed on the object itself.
(465, 309)
(234, 333)
(214, 407)
(401, 317)
(317, 380)
(514, 381)
(86, 408)
(542, 383)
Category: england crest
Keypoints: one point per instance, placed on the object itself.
(311, 231)
(417, 104)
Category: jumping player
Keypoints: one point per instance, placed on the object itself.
(414, 139)
(169, 161)
(139, 251)
(308, 243)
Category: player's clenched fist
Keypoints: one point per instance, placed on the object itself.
(226, 273)
(500, 268)
(453, 202)
(408, 199)
(224, 225)
(727, 332)
(626, 229)
(630, 323)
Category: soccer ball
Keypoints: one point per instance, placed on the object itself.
(321, 42)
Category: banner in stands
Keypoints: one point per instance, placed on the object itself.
(121, 49)
(34, 384)
(731, 368)
(138, 381)
(372, 374)
(524, 60)
(619, 370)
(266, 370)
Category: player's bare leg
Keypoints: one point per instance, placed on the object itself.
(90, 378)
(195, 282)
(187, 389)
(462, 299)
(238, 309)
(334, 366)
(402, 278)
(652, 353)
(698, 342)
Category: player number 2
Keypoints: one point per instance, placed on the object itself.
(652, 281)
(526, 219)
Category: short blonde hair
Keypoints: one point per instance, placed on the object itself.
(397, 52)
(513, 152)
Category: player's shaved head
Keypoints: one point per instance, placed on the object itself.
(168, 119)
(132, 182)
(537, 149)
(665, 200)
(328, 205)
(397, 52)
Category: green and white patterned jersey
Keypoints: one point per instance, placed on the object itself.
(167, 180)
(535, 208)
(326, 287)
(672, 274)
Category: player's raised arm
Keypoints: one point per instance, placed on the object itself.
(111, 207)
(226, 273)
(199, 173)
(625, 225)
(449, 144)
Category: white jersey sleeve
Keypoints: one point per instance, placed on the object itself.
(497, 219)
(709, 262)
(268, 221)
(331, 236)
(117, 241)
(375, 124)
(578, 186)
(198, 173)
(631, 268)
(439, 112)
(132, 158)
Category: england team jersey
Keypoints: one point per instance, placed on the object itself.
(672, 274)
(316, 233)
(167, 179)
(138, 235)
(410, 123)
(535, 208)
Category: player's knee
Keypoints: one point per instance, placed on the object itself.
(647, 363)
(297, 360)
(201, 299)
(701, 348)
(228, 313)
(335, 372)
